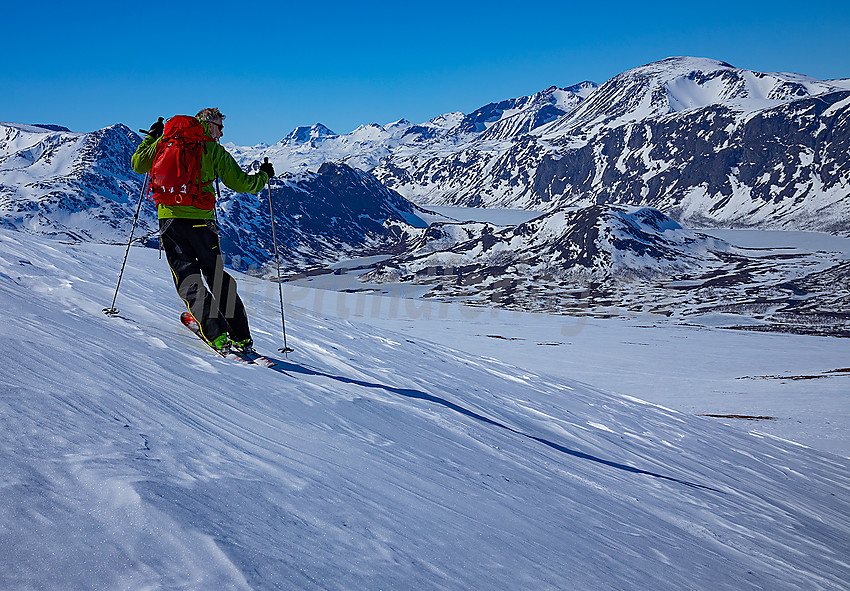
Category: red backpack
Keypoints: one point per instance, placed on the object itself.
(176, 171)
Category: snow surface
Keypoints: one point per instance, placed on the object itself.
(687, 368)
(374, 458)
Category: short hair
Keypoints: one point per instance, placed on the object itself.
(210, 114)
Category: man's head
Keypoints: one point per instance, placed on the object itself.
(215, 119)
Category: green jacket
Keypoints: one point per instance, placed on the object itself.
(216, 162)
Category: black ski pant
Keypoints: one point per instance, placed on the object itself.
(194, 254)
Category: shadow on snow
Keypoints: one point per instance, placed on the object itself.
(288, 368)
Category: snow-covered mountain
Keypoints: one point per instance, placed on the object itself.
(600, 241)
(80, 186)
(76, 185)
(134, 458)
(513, 117)
(307, 148)
(606, 259)
(681, 84)
(368, 145)
(312, 135)
(707, 143)
(320, 217)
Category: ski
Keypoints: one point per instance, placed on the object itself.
(253, 357)
(248, 356)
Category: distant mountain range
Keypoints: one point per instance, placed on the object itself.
(76, 185)
(369, 145)
(79, 186)
(618, 172)
(707, 143)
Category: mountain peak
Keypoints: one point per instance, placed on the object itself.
(679, 84)
(684, 61)
(582, 89)
(302, 135)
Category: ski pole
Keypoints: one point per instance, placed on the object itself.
(286, 349)
(112, 310)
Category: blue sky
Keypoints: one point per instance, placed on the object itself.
(274, 66)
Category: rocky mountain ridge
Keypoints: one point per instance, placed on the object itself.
(705, 142)
(619, 260)
(74, 185)
(80, 187)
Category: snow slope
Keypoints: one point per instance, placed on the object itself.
(134, 458)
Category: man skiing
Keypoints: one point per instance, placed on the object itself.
(186, 211)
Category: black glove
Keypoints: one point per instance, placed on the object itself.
(156, 128)
(267, 168)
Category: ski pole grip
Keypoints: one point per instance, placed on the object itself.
(267, 167)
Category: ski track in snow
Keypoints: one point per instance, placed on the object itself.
(134, 458)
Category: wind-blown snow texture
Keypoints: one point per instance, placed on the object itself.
(135, 458)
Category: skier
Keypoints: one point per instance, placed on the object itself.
(187, 219)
